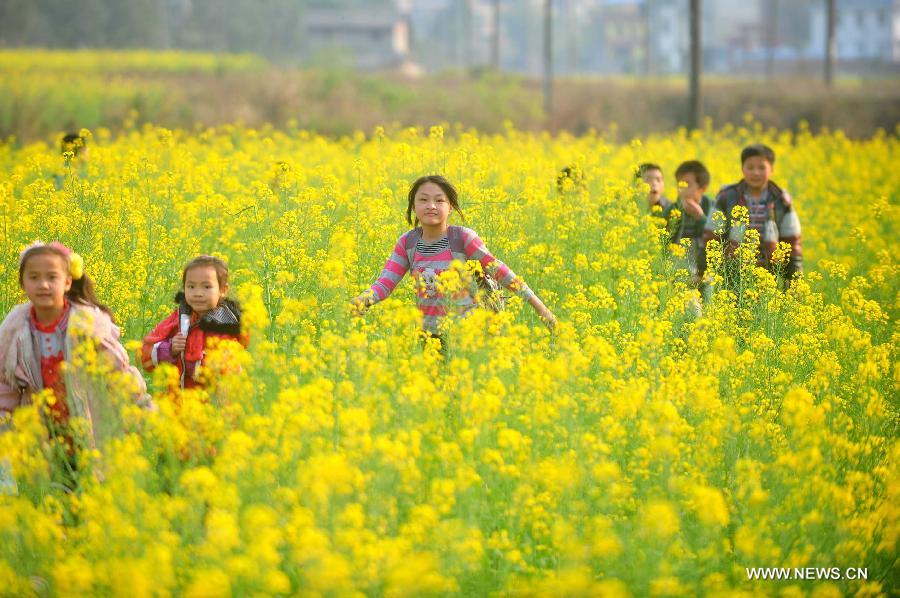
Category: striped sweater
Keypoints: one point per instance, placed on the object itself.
(429, 260)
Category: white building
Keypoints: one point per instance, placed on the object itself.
(895, 32)
(669, 36)
(866, 30)
(729, 28)
(371, 39)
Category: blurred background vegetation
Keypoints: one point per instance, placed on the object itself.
(336, 66)
(42, 93)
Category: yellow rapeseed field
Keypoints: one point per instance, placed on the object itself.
(640, 450)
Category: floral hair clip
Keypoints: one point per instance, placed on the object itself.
(76, 262)
(61, 248)
(76, 266)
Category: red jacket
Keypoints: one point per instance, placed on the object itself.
(156, 347)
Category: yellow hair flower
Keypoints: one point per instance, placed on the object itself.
(76, 266)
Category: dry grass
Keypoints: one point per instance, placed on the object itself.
(339, 102)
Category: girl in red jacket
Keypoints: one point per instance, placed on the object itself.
(203, 311)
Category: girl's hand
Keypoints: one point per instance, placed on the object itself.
(543, 312)
(359, 305)
(178, 344)
(692, 208)
(548, 318)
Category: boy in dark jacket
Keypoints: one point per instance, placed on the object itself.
(686, 218)
(770, 209)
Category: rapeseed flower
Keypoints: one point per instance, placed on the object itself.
(335, 456)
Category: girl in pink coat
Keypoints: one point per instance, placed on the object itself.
(38, 337)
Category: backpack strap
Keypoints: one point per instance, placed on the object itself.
(740, 194)
(730, 196)
(457, 242)
(412, 238)
(782, 196)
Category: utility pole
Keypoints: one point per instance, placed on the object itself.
(459, 33)
(571, 28)
(495, 38)
(695, 100)
(166, 26)
(830, 42)
(548, 57)
(469, 18)
(648, 36)
(771, 37)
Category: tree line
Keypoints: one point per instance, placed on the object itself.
(271, 28)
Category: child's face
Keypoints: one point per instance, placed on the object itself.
(202, 290)
(654, 178)
(431, 205)
(689, 189)
(757, 171)
(45, 280)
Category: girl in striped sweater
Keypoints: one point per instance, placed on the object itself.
(429, 249)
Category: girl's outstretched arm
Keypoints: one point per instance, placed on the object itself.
(543, 311)
(396, 266)
(476, 250)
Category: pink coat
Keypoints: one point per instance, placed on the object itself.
(20, 366)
